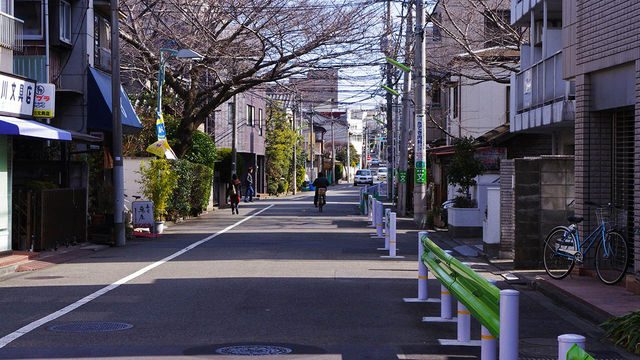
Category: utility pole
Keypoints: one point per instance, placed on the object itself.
(295, 147)
(348, 152)
(406, 120)
(118, 171)
(420, 187)
(333, 154)
(389, 99)
(234, 140)
(311, 143)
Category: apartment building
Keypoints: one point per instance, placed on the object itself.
(72, 55)
(601, 56)
(249, 110)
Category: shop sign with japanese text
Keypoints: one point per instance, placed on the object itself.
(45, 101)
(16, 95)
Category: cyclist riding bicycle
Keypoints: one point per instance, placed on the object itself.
(320, 182)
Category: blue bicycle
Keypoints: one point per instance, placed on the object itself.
(563, 248)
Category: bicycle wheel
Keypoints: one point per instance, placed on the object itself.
(612, 263)
(559, 250)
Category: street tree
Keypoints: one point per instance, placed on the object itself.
(244, 43)
(341, 155)
(279, 143)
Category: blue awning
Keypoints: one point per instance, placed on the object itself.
(99, 112)
(14, 126)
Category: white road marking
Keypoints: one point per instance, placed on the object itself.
(4, 341)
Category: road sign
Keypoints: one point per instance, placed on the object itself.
(368, 158)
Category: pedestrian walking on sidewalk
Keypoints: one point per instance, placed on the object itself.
(249, 185)
(234, 193)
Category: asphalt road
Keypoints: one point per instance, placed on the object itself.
(308, 284)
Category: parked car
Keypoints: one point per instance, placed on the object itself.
(382, 173)
(363, 176)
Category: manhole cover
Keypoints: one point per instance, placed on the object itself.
(91, 327)
(253, 350)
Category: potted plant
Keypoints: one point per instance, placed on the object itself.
(462, 172)
(157, 182)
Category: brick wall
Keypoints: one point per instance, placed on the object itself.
(507, 207)
(607, 33)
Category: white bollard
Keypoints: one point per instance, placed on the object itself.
(509, 324)
(566, 341)
(387, 233)
(464, 323)
(488, 345)
(392, 234)
(445, 303)
(392, 237)
(445, 308)
(379, 215)
(423, 274)
(370, 211)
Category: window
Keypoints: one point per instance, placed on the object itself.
(435, 96)
(260, 121)
(230, 112)
(102, 42)
(456, 98)
(65, 21)
(5, 7)
(250, 115)
(31, 12)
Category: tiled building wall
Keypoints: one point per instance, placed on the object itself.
(607, 33)
(593, 155)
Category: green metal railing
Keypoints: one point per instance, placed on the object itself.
(576, 353)
(478, 295)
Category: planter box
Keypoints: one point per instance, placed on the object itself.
(464, 222)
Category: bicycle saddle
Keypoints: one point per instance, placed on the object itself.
(575, 219)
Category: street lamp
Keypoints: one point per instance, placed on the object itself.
(161, 147)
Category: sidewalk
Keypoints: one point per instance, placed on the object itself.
(585, 295)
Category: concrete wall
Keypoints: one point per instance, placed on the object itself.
(535, 197)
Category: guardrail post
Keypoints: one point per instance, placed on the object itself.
(445, 303)
(392, 237)
(487, 345)
(464, 323)
(509, 323)
(423, 274)
(566, 341)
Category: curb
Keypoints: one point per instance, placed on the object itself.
(571, 302)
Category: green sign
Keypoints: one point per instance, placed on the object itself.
(402, 177)
(420, 165)
(421, 176)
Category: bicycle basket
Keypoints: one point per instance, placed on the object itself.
(614, 218)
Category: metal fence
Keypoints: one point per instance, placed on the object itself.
(11, 32)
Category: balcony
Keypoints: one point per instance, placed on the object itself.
(11, 32)
(541, 96)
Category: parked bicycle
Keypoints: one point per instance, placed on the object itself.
(563, 248)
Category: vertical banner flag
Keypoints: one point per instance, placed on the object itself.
(420, 151)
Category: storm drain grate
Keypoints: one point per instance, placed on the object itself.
(253, 350)
(91, 327)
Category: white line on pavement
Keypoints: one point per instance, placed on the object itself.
(4, 341)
